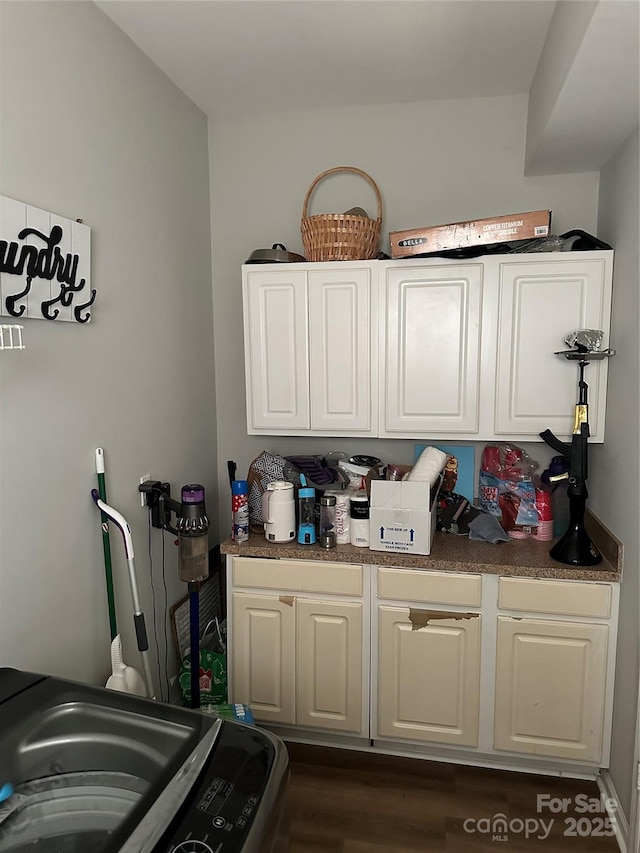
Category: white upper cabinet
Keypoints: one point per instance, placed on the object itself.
(430, 358)
(341, 349)
(310, 356)
(426, 347)
(541, 301)
(276, 349)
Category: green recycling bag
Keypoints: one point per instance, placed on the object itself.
(213, 678)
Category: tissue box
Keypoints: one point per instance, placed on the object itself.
(402, 516)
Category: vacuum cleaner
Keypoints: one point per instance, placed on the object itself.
(192, 530)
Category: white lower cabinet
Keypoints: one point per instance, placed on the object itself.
(554, 668)
(504, 671)
(329, 664)
(550, 687)
(299, 659)
(428, 675)
(264, 634)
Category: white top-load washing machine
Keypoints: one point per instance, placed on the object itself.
(89, 770)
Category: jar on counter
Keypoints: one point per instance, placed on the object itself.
(306, 516)
(328, 521)
(359, 512)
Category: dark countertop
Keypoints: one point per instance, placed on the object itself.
(449, 553)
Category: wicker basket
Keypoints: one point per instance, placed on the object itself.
(340, 236)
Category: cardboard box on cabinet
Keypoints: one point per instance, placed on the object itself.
(402, 516)
(479, 232)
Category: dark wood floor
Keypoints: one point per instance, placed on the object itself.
(342, 801)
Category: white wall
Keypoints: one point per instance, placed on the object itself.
(434, 163)
(91, 129)
(614, 484)
(566, 32)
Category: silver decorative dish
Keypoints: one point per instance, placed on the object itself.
(596, 355)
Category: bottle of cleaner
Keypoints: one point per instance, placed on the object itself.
(240, 510)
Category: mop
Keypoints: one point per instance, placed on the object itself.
(125, 678)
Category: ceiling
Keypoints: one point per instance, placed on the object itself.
(245, 57)
(576, 59)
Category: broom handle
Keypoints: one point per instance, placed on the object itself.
(194, 644)
(106, 544)
(138, 616)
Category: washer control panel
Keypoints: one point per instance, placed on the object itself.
(224, 803)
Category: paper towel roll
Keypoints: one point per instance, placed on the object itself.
(343, 534)
(428, 467)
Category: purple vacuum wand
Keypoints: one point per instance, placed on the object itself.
(193, 562)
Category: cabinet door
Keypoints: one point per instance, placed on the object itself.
(550, 688)
(540, 303)
(329, 665)
(340, 349)
(263, 656)
(429, 675)
(276, 351)
(431, 355)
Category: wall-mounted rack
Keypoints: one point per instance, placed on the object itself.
(11, 336)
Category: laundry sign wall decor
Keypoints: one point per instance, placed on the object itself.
(45, 264)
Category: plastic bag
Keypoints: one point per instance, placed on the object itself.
(213, 678)
(356, 475)
(318, 473)
(454, 513)
(506, 488)
(264, 469)
(507, 461)
(267, 467)
(236, 711)
(397, 472)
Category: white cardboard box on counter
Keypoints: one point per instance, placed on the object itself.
(402, 516)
